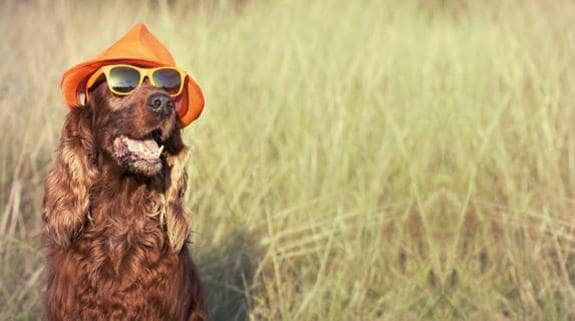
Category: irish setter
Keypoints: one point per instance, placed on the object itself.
(115, 225)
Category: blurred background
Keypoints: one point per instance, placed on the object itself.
(356, 160)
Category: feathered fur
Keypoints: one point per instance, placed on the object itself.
(116, 239)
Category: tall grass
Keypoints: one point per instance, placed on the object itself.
(356, 160)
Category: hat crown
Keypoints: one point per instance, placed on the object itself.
(138, 44)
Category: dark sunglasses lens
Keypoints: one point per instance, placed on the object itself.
(123, 79)
(168, 79)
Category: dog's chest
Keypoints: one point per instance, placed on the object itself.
(124, 243)
(127, 261)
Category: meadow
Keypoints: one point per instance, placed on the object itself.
(356, 160)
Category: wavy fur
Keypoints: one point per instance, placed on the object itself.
(117, 240)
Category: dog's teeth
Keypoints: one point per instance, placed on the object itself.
(160, 150)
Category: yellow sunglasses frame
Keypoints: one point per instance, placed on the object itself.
(144, 72)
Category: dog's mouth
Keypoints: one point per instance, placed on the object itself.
(141, 155)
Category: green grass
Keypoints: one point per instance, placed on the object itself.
(356, 160)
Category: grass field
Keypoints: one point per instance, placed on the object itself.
(356, 160)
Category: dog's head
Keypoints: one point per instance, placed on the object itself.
(110, 139)
(138, 131)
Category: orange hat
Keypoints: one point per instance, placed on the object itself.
(139, 47)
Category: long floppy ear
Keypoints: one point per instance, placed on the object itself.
(66, 203)
(176, 221)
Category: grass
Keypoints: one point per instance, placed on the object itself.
(373, 160)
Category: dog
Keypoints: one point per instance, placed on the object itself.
(114, 221)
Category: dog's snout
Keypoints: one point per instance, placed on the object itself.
(161, 104)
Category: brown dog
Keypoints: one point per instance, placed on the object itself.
(115, 224)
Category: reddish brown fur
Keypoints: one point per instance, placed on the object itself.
(116, 239)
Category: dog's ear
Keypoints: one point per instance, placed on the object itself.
(176, 216)
(66, 202)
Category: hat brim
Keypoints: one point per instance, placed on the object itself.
(195, 99)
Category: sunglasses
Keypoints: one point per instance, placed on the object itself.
(124, 79)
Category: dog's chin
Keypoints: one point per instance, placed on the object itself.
(140, 156)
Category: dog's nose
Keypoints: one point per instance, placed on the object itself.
(161, 104)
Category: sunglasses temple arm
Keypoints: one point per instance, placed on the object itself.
(82, 94)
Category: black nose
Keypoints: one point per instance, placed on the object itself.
(161, 104)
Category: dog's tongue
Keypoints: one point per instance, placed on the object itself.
(148, 146)
(137, 149)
